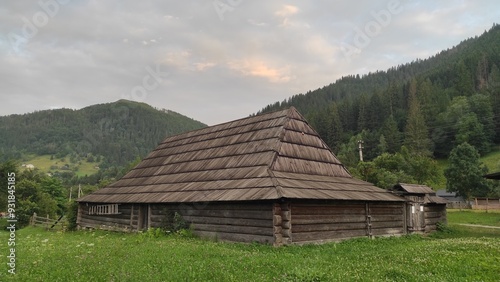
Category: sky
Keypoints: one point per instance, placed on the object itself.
(213, 60)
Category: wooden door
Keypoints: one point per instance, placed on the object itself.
(416, 219)
(143, 217)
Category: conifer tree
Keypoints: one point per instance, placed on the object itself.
(416, 133)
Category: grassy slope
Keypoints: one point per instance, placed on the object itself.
(44, 163)
(491, 160)
(460, 255)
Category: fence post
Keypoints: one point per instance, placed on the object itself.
(33, 219)
(47, 222)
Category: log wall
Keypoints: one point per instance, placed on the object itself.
(265, 222)
(241, 222)
(120, 221)
(434, 213)
(331, 221)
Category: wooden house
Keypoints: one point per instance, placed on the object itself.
(453, 201)
(267, 178)
(424, 208)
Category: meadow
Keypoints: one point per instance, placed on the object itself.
(458, 253)
(46, 163)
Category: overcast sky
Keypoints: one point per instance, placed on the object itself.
(214, 61)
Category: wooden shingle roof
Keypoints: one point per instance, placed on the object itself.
(270, 156)
(414, 188)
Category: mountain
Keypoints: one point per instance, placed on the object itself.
(438, 102)
(115, 133)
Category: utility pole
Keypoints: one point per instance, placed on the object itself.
(360, 147)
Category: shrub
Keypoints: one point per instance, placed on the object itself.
(173, 221)
(72, 215)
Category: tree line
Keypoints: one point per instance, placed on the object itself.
(118, 132)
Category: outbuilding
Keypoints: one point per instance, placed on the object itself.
(424, 208)
(267, 178)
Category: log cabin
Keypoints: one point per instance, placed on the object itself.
(424, 208)
(268, 178)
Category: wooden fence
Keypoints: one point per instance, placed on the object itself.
(47, 223)
(486, 204)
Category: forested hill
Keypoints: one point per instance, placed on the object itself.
(117, 132)
(429, 105)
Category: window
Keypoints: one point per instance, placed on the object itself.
(103, 209)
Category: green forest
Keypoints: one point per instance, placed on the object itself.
(408, 116)
(116, 132)
(434, 104)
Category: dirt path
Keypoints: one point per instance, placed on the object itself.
(477, 225)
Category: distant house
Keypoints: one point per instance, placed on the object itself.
(454, 201)
(425, 209)
(267, 178)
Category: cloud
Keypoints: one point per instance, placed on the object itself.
(263, 51)
(258, 68)
(286, 11)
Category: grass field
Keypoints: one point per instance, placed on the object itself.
(481, 217)
(491, 160)
(44, 163)
(457, 254)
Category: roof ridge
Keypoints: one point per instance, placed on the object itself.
(276, 184)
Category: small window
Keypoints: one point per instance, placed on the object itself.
(103, 209)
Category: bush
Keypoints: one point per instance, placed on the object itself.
(443, 227)
(72, 215)
(3, 224)
(173, 221)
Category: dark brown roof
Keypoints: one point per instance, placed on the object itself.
(414, 188)
(426, 191)
(270, 156)
(435, 199)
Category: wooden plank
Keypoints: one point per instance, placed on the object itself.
(229, 221)
(433, 214)
(298, 228)
(320, 219)
(107, 220)
(359, 210)
(385, 205)
(376, 218)
(385, 224)
(388, 231)
(234, 229)
(327, 235)
(238, 237)
(435, 208)
(249, 214)
(96, 224)
(386, 211)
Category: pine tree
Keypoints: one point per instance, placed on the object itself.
(392, 135)
(464, 84)
(416, 133)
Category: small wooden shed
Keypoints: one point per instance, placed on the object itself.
(267, 178)
(424, 208)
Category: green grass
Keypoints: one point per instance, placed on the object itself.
(44, 164)
(481, 217)
(491, 160)
(457, 254)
